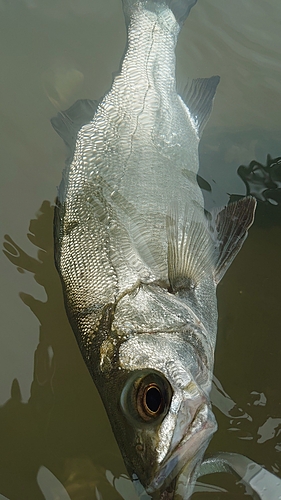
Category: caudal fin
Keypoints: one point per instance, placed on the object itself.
(180, 8)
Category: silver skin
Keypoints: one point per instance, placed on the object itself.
(137, 260)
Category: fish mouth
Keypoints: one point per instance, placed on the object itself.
(187, 454)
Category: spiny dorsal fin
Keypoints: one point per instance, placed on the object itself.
(230, 229)
(190, 250)
(68, 123)
(198, 96)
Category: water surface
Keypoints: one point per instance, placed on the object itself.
(52, 423)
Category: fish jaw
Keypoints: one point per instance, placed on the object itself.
(186, 453)
(181, 466)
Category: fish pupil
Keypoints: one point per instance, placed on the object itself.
(153, 399)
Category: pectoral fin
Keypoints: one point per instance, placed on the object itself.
(190, 250)
(197, 250)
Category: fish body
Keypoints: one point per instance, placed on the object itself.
(138, 258)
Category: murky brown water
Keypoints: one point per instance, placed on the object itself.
(52, 423)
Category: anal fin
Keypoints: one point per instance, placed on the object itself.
(68, 123)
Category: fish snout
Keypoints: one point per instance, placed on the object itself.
(193, 427)
(188, 405)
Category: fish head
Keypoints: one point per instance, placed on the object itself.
(164, 420)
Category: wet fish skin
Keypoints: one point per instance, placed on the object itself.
(138, 259)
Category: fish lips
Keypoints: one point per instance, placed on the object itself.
(185, 457)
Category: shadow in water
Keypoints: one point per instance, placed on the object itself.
(63, 425)
(264, 183)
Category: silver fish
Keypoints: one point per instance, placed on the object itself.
(138, 258)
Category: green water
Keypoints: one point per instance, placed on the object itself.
(52, 423)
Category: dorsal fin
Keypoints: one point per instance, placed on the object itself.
(68, 123)
(229, 227)
(198, 96)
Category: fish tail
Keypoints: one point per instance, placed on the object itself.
(180, 8)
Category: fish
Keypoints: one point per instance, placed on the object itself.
(139, 257)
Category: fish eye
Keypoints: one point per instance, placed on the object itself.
(152, 398)
(150, 401)
(146, 397)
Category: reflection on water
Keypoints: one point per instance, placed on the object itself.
(222, 152)
(248, 349)
(263, 182)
